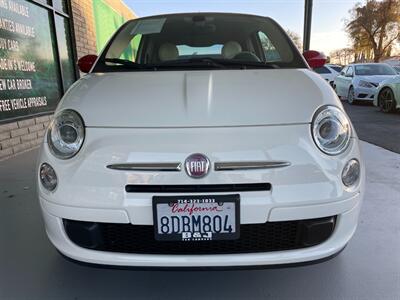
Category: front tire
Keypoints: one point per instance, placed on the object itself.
(350, 96)
(386, 101)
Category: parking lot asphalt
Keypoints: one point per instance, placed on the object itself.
(374, 126)
(369, 268)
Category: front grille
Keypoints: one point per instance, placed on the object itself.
(362, 95)
(139, 239)
(198, 188)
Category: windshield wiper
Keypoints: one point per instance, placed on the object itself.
(192, 62)
(130, 64)
(244, 64)
(216, 63)
(201, 62)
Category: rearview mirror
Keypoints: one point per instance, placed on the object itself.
(314, 58)
(86, 63)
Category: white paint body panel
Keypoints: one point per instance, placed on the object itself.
(243, 115)
(331, 76)
(392, 83)
(345, 229)
(198, 98)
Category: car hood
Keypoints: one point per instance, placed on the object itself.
(199, 98)
(393, 79)
(376, 78)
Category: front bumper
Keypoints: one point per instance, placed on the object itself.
(310, 187)
(346, 223)
(364, 94)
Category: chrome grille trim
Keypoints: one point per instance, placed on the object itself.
(249, 165)
(160, 167)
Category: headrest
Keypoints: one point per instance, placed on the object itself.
(167, 52)
(231, 49)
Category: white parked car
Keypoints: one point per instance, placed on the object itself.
(387, 97)
(200, 140)
(358, 82)
(329, 72)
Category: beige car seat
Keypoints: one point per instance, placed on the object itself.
(167, 52)
(231, 49)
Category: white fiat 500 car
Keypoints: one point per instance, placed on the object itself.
(200, 140)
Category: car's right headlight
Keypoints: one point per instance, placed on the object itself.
(66, 134)
(331, 130)
(366, 84)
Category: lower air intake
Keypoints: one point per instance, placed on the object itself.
(139, 239)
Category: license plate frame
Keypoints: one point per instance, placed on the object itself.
(219, 199)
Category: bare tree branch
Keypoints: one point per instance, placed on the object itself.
(374, 26)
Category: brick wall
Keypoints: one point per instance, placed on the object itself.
(84, 27)
(17, 137)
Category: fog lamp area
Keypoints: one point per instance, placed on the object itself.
(351, 173)
(48, 177)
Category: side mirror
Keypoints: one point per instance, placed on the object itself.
(86, 63)
(315, 59)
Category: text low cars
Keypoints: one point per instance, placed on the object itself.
(185, 146)
(387, 97)
(358, 82)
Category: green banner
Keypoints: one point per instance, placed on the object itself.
(29, 80)
(107, 21)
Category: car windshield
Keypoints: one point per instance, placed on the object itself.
(374, 69)
(205, 41)
(397, 68)
(337, 68)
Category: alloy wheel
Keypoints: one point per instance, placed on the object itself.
(386, 100)
(350, 96)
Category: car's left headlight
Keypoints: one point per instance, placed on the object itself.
(66, 134)
(331, 130)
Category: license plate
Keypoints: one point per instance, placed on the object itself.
(196, 218)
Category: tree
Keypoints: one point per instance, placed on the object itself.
(296, 39)
(374, 27)
(342, 56)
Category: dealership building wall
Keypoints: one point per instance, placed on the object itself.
(40, 42)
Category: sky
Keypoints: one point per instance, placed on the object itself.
(327, 33)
